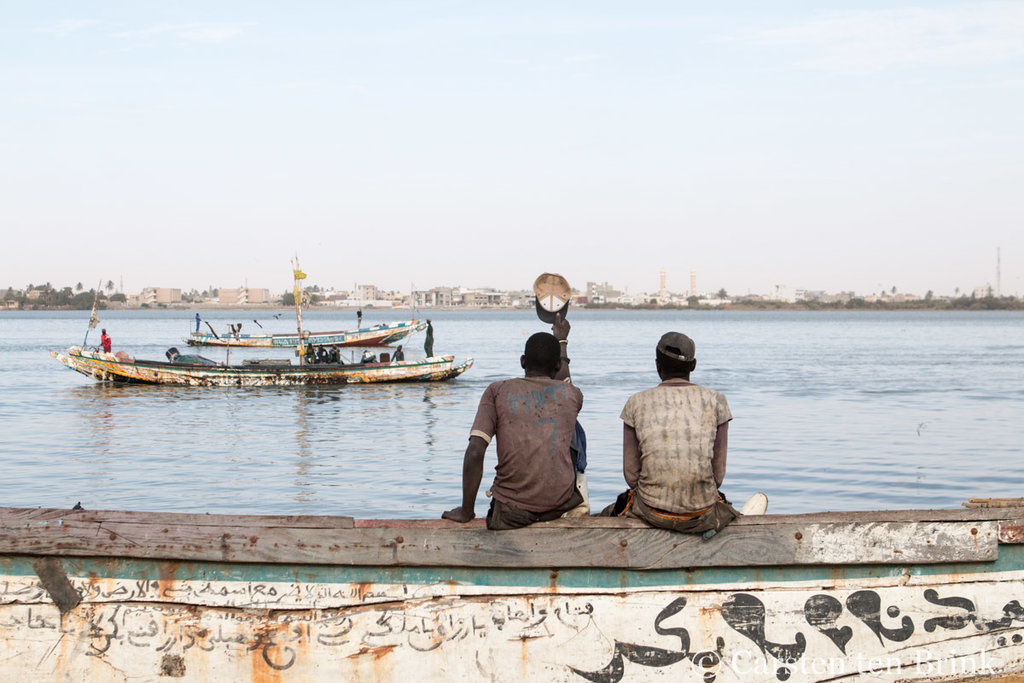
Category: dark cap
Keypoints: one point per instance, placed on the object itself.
(676, 345)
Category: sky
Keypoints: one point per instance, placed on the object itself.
(818, 145)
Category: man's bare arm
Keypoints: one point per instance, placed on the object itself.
(719, 453)
(472, 473)
(560, 329)
(630, 455)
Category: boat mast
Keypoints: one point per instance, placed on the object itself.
(94, 319)
(297, 293)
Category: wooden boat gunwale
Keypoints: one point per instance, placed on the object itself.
(250, 597)
(918, 537)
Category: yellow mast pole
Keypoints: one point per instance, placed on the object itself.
(297, 293)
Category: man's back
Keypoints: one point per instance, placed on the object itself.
(533, 419)
(676, 423)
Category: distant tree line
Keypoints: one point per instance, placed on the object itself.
(928, 303)
(48, 296)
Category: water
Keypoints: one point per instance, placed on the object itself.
(833, 411)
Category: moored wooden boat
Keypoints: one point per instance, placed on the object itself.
(852, 596)
(375, 335)
(121, 367)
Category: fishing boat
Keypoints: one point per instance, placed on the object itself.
(928, 595)
(196, 370)
(193, 370)
(375, 335)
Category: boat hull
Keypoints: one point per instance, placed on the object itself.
(107, 596)
(109, 367)
(378, 335)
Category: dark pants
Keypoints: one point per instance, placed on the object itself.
(503, 516)
(716, 517)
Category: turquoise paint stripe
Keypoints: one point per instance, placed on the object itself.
(1011, 558)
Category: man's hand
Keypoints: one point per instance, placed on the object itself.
(458, 515)
(472, 471)
(561, 327)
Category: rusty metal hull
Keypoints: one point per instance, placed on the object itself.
(377, 335)
(71, 609)
(107, 367)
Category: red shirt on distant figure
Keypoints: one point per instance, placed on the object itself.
(105, 341)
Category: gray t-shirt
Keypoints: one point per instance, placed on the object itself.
(533, 419)
(676, 423)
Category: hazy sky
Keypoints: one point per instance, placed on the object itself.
(820, 145)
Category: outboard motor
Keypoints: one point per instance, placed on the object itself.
(172, 354)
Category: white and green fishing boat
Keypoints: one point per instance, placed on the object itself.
(199, 371)
(381, 334)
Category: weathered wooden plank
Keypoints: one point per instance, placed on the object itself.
(538, 547)
(1011, 532)
(9, 516)
(14, 516)
(863, 517)
(994, 502)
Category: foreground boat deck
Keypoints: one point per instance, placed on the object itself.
(894, 595)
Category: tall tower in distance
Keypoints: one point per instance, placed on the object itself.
(663, 292)
(999, 260)
(693, 282)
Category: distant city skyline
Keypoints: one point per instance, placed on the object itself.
(832, 145)
(581, 286)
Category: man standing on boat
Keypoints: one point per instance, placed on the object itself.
(105, 340)
(674, 441)
(428, 342)
(533, 418)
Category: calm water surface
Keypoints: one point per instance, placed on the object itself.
(833, 411)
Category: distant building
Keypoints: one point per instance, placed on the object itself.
(482, 298)
(243, 296)
(782, 293)
(367, 292)
(159, 295)
(232, 297)
(438, 297)
(841, 297)
(602, 293)
(523, 298)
